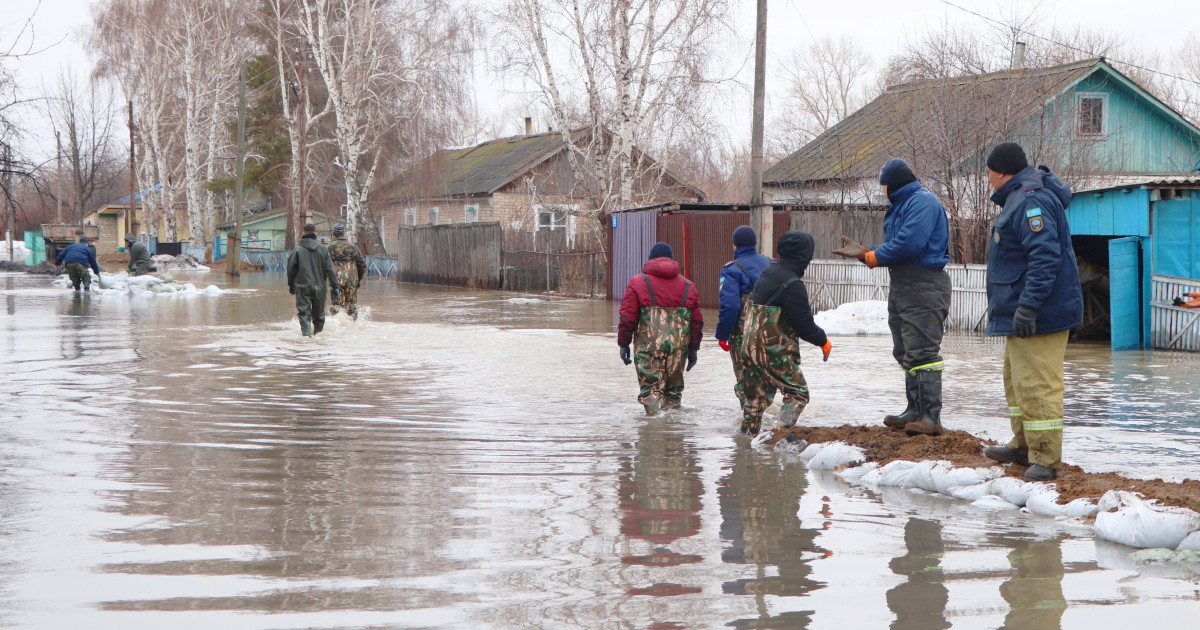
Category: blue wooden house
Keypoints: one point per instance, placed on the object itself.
(1145, 238)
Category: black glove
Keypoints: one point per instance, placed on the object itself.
(334, 294)
(1177, 301)
(1025, 322)
(291, 289)
(691, 359)
(625, 355)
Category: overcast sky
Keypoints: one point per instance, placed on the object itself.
(879, 26)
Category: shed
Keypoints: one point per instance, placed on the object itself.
(699, 233)
(267, 231)
(1140, 243)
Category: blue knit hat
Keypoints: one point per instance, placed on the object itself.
(744, 236)
(661, 250)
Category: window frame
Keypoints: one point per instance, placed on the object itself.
(1080, 97)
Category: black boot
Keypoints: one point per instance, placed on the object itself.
(306, 327)
(318, 325)
(929, 386)
(913, 411)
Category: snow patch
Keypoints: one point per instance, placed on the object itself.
(856, 318)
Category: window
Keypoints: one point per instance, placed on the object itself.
(551, 217)
(410, 216)
(1092, 114)
(471, 213)
(433, 215)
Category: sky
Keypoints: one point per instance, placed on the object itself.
(880, 27)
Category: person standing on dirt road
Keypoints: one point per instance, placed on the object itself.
(777, 316)
(139, 256)
(78, 258)
(660, 314)
(737, 282)
(350, 265)
(308, 269)
(915, 251)
(1034, 300)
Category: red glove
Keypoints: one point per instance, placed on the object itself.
(826, 348)
(724, 344)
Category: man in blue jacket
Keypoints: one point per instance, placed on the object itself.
(1034, 300)
(737, 281)
(916, 237)
(78, 257)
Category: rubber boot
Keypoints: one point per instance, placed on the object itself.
(652, 403)
(318, 326)
(913, 411)
(789, 414)
(929, 386)
(306, 327)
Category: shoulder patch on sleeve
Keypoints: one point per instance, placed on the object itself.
(1033, 212)
(1035, 223)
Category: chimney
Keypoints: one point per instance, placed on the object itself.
(1018, 55)
(528, 126)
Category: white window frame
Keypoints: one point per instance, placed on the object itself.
(471, 213)
(1080, 97)
(560, 222)
(433, 215)
(410, 216)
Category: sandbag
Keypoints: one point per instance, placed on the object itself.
(896, 473)
(1010, 489)
(968, 493)
(1191, 543)
(993, 502)
(811, 450)
(923, 475)
(1043, 500)
(835, 455)
(760, 440)
(1140, 524)
(855, 474)
(1080, 508)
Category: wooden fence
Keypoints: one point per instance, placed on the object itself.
(1173, 327)
(461, 254)
(832, 283)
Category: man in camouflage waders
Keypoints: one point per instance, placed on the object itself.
(775, 318)
(139, 256)
(350, 266)
(660, 315)
(737, 281)
(308, 269)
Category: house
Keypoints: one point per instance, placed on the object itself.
(1139, 246)
(523, 182)
(110, 218)
(267, 231)
(1084, 119)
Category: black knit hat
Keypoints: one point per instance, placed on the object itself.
(896, 174)
(661, 250)
(744, 236)
(1008, 158)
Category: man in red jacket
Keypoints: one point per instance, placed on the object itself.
(660, 314)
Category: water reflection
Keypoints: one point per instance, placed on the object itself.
(920, 602)
(1034, 591)
(760, 527)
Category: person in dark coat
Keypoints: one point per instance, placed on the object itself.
(737, 282)
(915, 251)
(777, 316)
(78, 258)
(139, 256)
(660, 315)
(1034, 300)
(309, 272)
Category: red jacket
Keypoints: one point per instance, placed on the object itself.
(668, 292)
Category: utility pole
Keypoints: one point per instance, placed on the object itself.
(761, 216)
(132, 174)
(58, 160)
(235, 239)
(12, 215)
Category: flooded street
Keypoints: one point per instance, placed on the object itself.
(473, 459)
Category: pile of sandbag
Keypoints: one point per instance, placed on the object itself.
(182, 262)
(123, 283)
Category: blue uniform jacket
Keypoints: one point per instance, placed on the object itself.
(78, 253)
(735, 284)
(1030, 258)
(915, 230)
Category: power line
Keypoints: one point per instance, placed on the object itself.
(1068, 46)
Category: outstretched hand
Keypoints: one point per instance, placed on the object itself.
(850, 248)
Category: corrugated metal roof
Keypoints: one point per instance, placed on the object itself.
(1142, 181)
(481, 169)
(887, 127)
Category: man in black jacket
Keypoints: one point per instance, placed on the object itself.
(308, 269)
(777, 314)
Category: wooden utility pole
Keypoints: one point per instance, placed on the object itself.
(761, 216)
(235, 239)
(12, 215)
(58, 161)
(132, 174)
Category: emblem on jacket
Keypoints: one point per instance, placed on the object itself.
(1035, 219)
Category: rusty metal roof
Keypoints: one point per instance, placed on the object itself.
(479, 170)
(892, 124)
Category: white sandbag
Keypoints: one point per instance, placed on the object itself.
(1043, 501)
(967, 493)
(795, 446)
(993, 502)
(970, 476)
(1191, 543)
(1111, 500)
(760, 440)
(855, 474)
(213, 289)
(1010, 489)
(811, 450)
(1080, 508)
(922, 475)
(835, 455)
(1139, 524)
(872, 477)
(896, 473)
(113, 280)
(142, 281)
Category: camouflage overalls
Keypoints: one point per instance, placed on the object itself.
(660, 350)
(770, 354)
(350, 265)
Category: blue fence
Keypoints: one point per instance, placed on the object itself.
(272, 262)
(382, 266)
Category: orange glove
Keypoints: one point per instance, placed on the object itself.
(825, 349)
(869, 258)
(724, 344)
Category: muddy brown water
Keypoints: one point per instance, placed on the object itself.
(469, 459)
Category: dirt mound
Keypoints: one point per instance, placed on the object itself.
(884, 445)
(40, 269)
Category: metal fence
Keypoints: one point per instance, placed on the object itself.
(1173, 327)
(461, 254)
(272, 262)
(382, 266)
(832, 283)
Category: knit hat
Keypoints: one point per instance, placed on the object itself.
(339, 230)
(82, 239)
(661, 250)
(1008, 158)
(744, 236)
(895, 174)
(129, 238)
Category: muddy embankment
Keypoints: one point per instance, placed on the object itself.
(884, 445)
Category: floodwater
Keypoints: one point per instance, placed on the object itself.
(470, 459)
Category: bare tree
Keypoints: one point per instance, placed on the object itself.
(84, 125)
(827, 80)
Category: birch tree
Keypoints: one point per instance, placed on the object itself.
(618, 76)
(84, 125)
